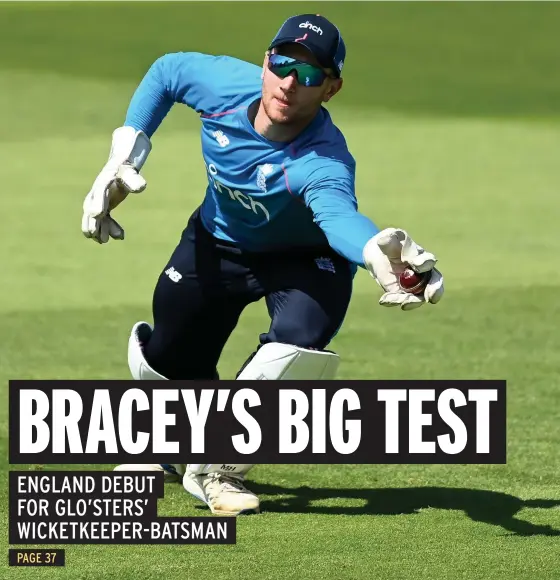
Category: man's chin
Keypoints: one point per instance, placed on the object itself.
(283, 115)
(281, 118)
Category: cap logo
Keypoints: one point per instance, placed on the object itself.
(309, 25)
(340, 65)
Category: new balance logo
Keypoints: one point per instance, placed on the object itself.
(325, 264)
(221, 138)
(309, 25)
(173, 275)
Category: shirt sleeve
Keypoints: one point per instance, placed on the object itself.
(332, 200)
(182, 77)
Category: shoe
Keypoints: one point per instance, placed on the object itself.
(172, 472)
(224, 494)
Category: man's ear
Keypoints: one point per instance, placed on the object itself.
(334, 86)
(265, 63)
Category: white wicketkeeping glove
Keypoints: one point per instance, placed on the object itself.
(118, 178)
(387, 255)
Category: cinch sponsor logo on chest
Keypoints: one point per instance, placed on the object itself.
(244, 199)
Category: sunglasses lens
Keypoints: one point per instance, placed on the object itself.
(307, 74)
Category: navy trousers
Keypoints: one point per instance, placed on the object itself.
(207, 283)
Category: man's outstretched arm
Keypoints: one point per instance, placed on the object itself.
(173, 78)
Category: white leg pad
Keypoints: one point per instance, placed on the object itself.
(284, 362)
(139, 368)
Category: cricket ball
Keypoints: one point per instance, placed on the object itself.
(413, 282)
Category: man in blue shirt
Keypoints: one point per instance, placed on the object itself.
(279, 221)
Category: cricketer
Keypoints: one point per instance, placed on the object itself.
(279, 221)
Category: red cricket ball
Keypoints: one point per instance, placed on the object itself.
(413, 282)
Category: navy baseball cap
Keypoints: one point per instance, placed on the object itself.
(318, 35)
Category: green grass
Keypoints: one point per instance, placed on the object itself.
(451, 111)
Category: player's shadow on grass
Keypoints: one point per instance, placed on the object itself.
(480, 505)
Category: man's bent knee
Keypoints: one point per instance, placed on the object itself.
(302, 335)
(139, 367)
(178, 366)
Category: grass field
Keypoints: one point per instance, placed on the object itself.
(452, 111)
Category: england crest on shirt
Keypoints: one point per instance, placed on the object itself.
(263, 171)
